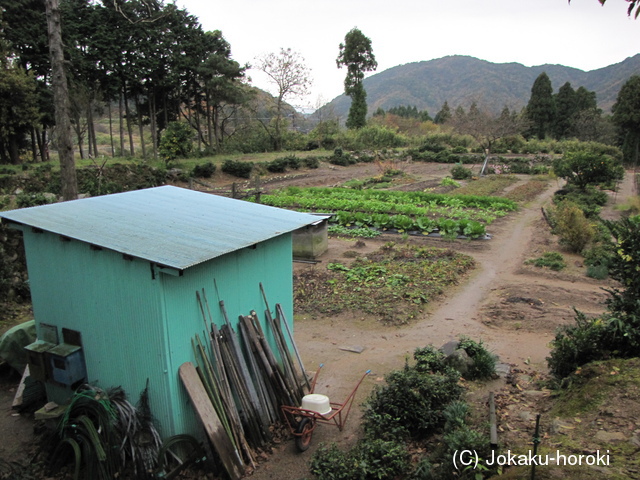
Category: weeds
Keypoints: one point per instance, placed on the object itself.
(393, 283)
(552, 260)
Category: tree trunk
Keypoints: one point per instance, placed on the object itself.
(41, 145)
(141, 129)
(154, 123)
(132, 149)
(120, 112)
(68, 177)
(34, 145)
(113, 147)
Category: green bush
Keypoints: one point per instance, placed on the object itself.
(572, 227)
(484, 362)
(24, 200)
(176, 141)
(461, 173)
(577, 344)
(237, 168)
(589, 199)
(588, 167)
(311, 162)
(411, 402)
(205, 170)
(369, 459)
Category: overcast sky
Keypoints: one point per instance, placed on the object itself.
(582, 34)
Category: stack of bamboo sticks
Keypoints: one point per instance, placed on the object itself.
(247, 378)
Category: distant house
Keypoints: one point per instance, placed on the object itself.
(114, 280)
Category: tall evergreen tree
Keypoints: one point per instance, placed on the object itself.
(541, 110)
(626, 116)
(443, 115)
(356, 54)
(565, 101)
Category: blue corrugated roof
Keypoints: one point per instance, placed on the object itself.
(170, 226)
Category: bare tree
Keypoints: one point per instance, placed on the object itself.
(292, 78)
(487, 129)
(61, 102)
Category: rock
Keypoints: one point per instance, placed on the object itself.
(525, 415)
(608, 437)
(449, 347)
(459, 360)
(558, 426)
(635, 440)
(503, 369)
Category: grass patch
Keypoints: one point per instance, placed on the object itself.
(552, 260)
(487, 186)
(528, 191)
(393, 283)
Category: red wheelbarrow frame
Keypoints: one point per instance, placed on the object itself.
(303, 430)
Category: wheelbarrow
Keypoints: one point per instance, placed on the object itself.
(317, 408)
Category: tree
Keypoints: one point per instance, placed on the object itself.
(565, 101)
(292, 78)
(587, 167)
(487, 129)
(356, 54)
(18, 109)
(626, 116)
(633, 4)
(541, 110)
(68, 177)
(443, 115)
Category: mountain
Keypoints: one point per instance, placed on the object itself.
(461, 80)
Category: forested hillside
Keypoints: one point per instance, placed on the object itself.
(461, 80)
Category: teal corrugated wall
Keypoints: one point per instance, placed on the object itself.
(137, 324)
(237, 276)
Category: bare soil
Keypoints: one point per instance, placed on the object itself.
(512, 307)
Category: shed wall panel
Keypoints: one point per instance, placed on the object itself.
(116, 306)
(237, 276)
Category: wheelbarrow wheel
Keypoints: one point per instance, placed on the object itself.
(303, 434)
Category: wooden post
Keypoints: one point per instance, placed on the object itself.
(211, 422)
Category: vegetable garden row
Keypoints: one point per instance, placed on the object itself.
(426, 213)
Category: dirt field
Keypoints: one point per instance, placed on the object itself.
(512, 307)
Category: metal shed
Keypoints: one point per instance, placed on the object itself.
(117, 276)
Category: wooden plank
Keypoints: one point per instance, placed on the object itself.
(210, 420)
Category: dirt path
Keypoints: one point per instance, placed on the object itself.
(519, 331)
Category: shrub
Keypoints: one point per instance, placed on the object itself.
(589, 199)
(369, 459)
(484, 363)
(205, 170)
(176, 141)
(279, 165)
(24, 200)
(572, 226)
(237, 168)
(411, 402)
(588, 167)
(311, 162)
(461, 173)
(577, 344)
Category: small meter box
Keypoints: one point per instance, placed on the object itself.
(38, 366)
(67, 364)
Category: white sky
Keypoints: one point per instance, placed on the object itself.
(582, 34)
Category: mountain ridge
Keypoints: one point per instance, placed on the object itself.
(462, 79)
